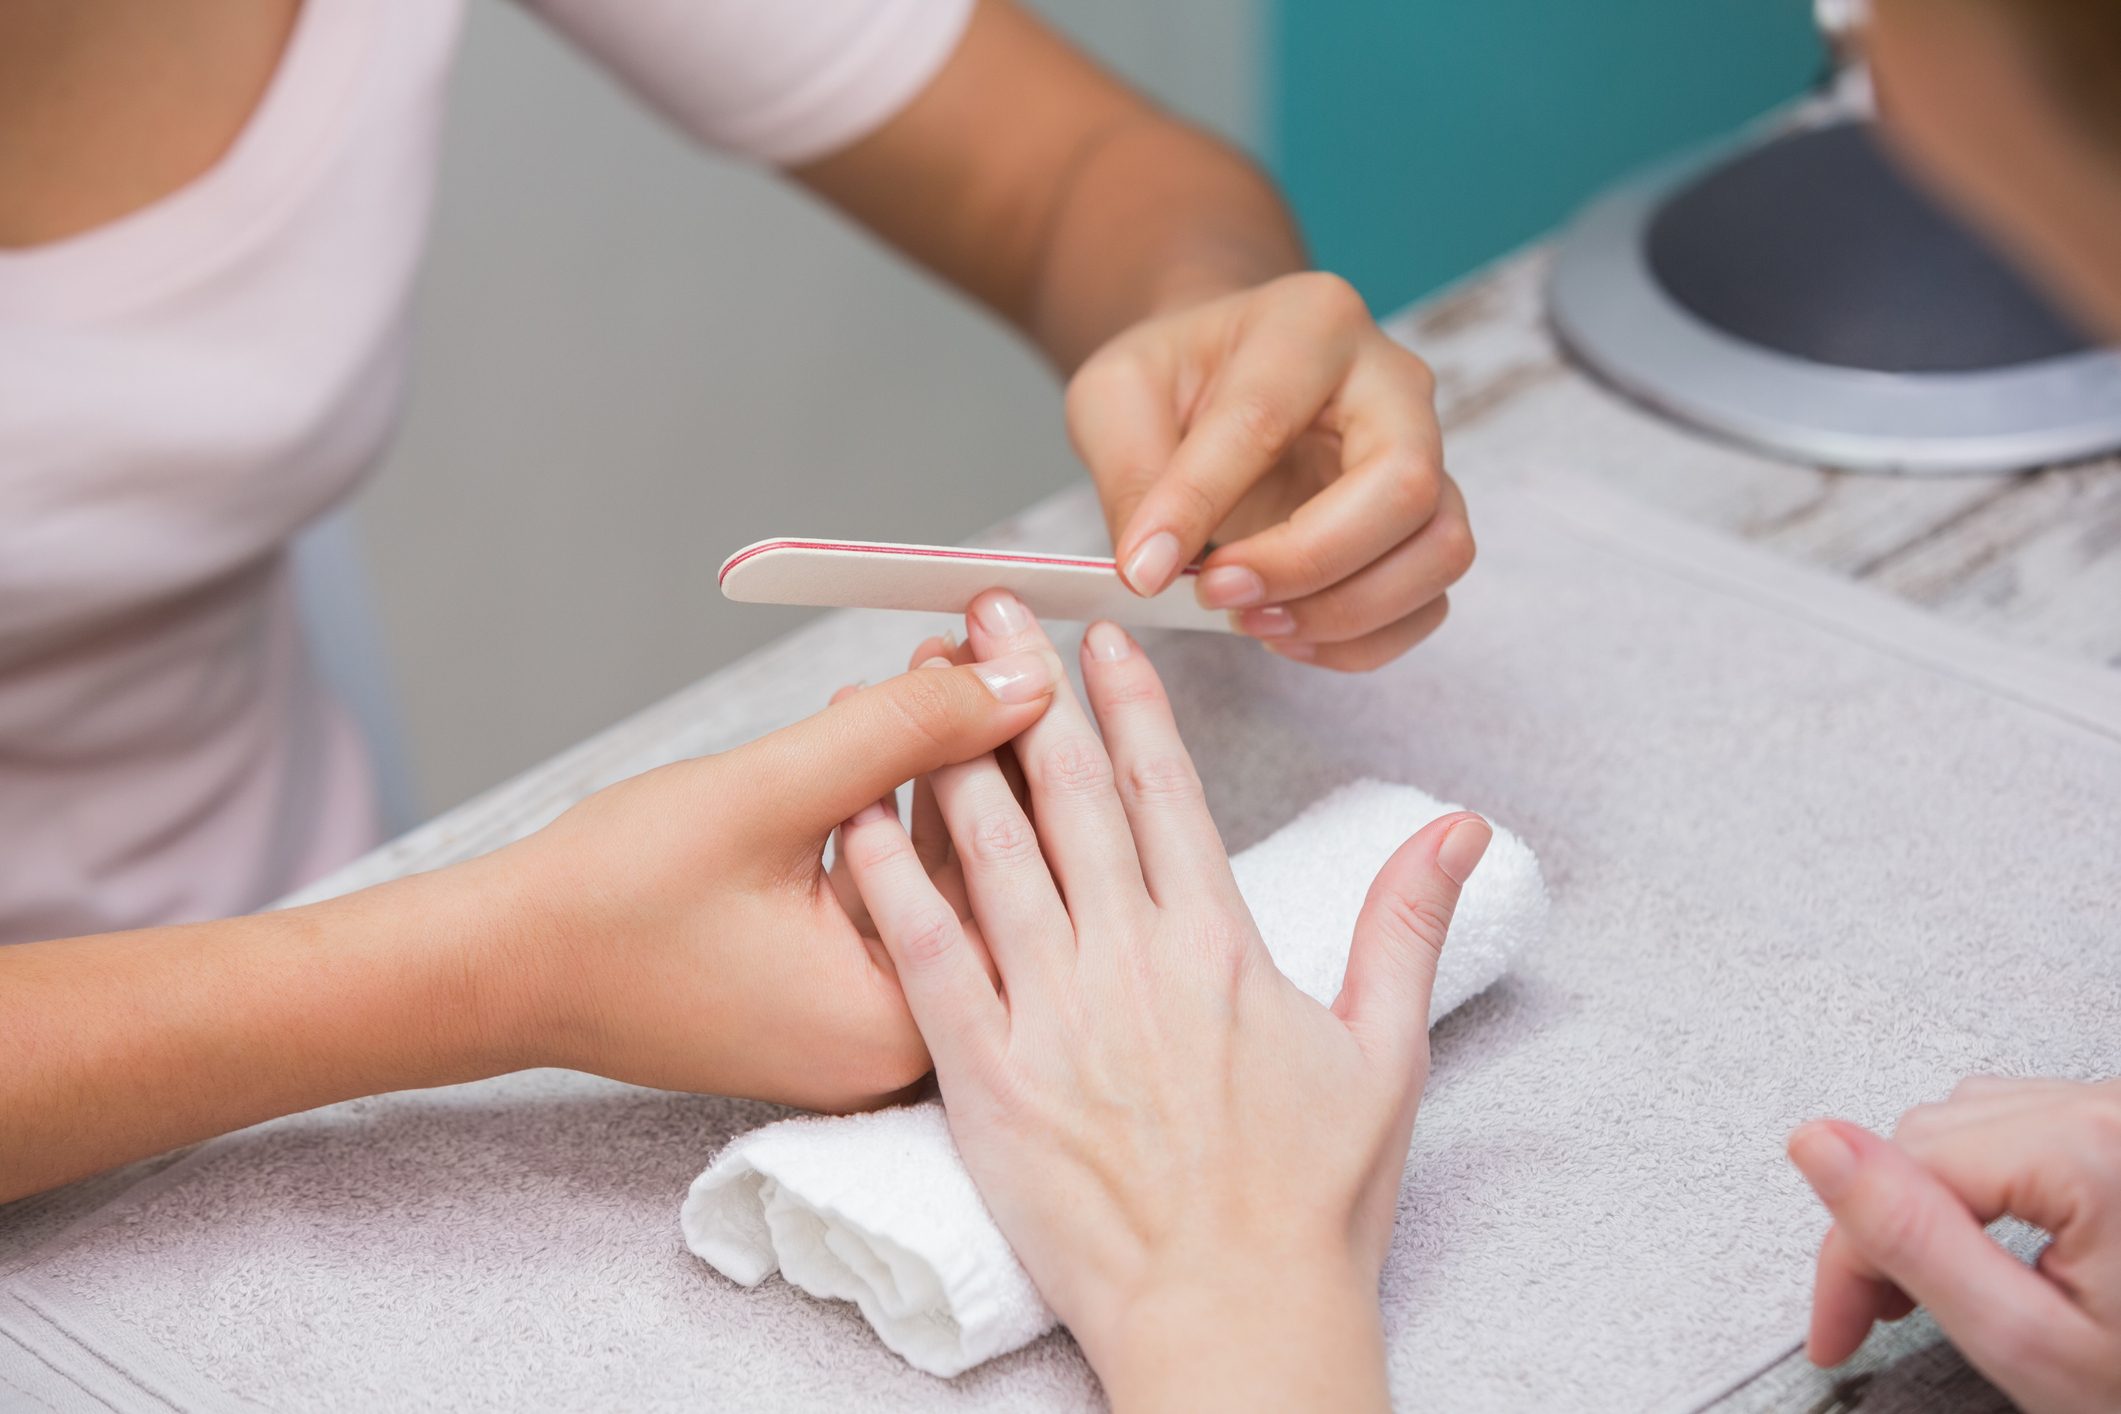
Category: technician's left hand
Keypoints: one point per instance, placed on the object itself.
(1908, 1216)
(1281, 423)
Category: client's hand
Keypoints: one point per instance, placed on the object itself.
(691, 939)
(1197, 1163)
(1908, 1219)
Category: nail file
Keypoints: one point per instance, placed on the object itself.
(860, 574)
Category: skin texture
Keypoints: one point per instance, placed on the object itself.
(1965, 98)
(1197, 1163)
(674, 930)
(1219, 390)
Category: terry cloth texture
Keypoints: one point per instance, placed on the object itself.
(1809, 851)
(877, 1209)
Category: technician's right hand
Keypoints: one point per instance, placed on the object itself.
(1198, 1164)
(1908, 1220)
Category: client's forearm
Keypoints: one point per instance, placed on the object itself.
(124, 1045)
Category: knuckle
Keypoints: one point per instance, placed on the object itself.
(1162, 780)
(1333, 295)
(1419, 375)
(1075, 766)
(1898, 1229)
(1196, 504)
(1258, 423)
(924, 702)
(1920, 1122)
(1224, 942)
(1331, 616)
(1302, 568)
(1003, 837)
(868, 850)
(927, 936)
(1113, 367)
(1414, 920)
(1131, 690)
(1407, 491)
(1454, 545)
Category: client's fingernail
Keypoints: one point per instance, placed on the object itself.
(937, 662)
(1229, 587)
(1153, 563)
(1001, 614)
(1271, 622)
(1301, 652)
(874, 810)
(1463, 845)
(1825, 1157)
(1021, 677)
(1107, 642)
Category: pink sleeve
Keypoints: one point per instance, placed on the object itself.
(782, 81)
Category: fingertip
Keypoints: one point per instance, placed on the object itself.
(1152, 564)
(998, 614)
(1464, 844)
(1019, 679)
(1827, 1153)
(1106, 642)
(939, 645)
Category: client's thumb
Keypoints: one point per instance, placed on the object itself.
(1400, 932)
(824, 768)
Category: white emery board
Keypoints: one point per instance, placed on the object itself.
(859, 574)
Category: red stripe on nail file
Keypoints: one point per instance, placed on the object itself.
(858, 574)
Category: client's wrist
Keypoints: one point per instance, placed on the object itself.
(1243, 1329)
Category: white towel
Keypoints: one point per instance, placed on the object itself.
(877, 1209)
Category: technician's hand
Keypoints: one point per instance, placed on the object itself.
(685, 933)
(1908, 1219)
(1283, 424)
(1197, 1163)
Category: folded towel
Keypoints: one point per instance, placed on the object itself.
(877, 1209)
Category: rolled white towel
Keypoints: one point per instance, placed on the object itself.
(877, 1209)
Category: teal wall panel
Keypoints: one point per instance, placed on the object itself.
(1421, 138)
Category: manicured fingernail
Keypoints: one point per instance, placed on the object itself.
(1021, 677)
(937, 662)
(873, 811)
(1002, 614)
(1229, 587)
(1153, 563)
(1463, 845)
(1301, 652)
(1108, 643)
(1271, 622)
(1825, 1157)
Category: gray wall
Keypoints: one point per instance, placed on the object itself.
(634, 357)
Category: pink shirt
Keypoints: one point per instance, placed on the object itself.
(184, 389)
